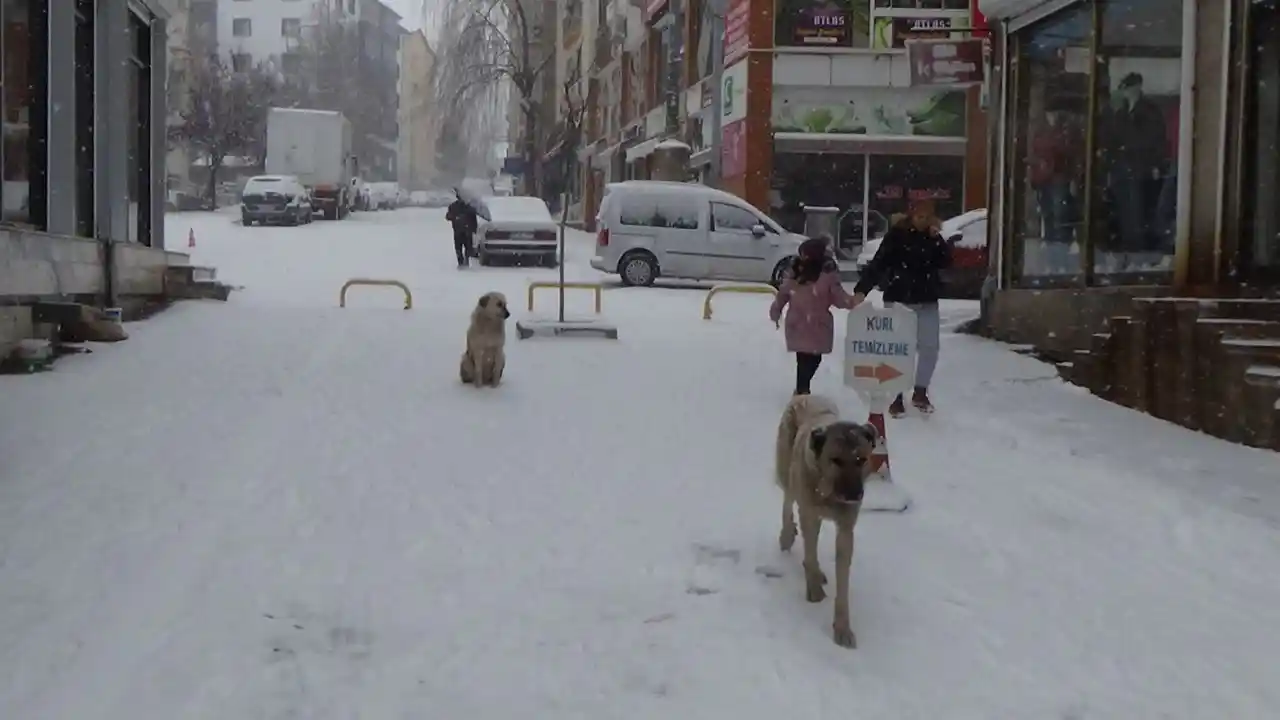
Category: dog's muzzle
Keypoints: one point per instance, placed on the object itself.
(506, 313)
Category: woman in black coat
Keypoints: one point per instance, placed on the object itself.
(908, 268)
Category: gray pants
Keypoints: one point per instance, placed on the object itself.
(928, 341)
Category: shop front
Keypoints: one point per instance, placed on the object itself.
(1136, 164)
(868, 152)
(1135, 154)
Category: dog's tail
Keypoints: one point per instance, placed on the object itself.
(788, 426)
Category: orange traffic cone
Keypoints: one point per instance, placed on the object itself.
(191, 238)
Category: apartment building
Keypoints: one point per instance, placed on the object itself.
(417, 138)
(542, 16)
(277, 33)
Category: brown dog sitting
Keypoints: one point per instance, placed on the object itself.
(485, 357)
(822, 466)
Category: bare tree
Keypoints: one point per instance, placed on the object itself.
(226, 115)
(333, 75)
(492, 47)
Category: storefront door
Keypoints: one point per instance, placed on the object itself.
(1260, 243)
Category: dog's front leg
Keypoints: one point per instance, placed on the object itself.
(484, 367)
(841, 630)
(814, 579)
(787, 537)
(499, 364)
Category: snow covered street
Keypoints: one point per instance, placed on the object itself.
(277, 508)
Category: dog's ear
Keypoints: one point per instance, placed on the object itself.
(866, 433)
(484, 300)
(817, 439)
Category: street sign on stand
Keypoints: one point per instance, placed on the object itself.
(879, 365)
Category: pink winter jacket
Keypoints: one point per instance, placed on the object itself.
(810, 328)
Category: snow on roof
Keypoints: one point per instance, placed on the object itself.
(670, 144)
(518, 208)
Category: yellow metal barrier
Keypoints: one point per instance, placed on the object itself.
(595, 288)
(754, 289)
(408, 296)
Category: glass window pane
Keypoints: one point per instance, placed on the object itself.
(821, 180)
(897, 180)
(17, 86)
(1263, 140)
(1135, 170)
(1050, 119)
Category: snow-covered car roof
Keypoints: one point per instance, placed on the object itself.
(521, 209)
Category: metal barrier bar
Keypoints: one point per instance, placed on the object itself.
(596, 289)
(751, 289)
(342, 296)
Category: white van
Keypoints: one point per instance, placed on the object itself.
(649, 229)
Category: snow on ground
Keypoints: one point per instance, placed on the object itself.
(277, 508)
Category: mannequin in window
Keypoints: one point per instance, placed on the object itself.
(1136, 161)
(1051, 173)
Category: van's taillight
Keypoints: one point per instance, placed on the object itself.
(602, 237)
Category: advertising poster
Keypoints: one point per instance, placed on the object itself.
(733, 149)
(736, 40)
(822, 23)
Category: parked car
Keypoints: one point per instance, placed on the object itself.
(437, 198)
(275, 199)
(966, 234)
(650, 229)
(518, 229)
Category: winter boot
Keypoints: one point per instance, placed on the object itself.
(898, 408)
(920, 400)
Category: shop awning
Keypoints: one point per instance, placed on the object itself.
(700, 158)
(999, 9)
(795, 142)
(643, 149)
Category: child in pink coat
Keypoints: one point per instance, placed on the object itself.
(808, 296)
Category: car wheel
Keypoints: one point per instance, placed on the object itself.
(549, 260)
(483, 257)
(780, 272)
(638, 268)
(246, 221)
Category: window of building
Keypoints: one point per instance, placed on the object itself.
(822, 23)
(704, 23)
(1135, 170)
(1117, 200)
(24, 110)
(290, 27)
(1260, 246)
(895, 181)
(1050, 120)
(242, 27)
(86, 208)
(824, 180)
(138, 158)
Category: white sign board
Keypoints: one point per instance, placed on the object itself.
(880, 352)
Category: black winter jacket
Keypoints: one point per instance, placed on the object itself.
(462, 216)
(907, 267)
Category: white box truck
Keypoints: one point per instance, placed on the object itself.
(315, 146)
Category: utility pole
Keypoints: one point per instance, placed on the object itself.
(718, 10)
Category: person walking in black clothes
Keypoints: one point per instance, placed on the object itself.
(908, 268)
(463, 218)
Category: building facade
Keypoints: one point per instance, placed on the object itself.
(417, 138)
(83, 156)
(178, 79)
(794, 103)
(84, 152)
(276, 33)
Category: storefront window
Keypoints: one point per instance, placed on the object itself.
(1050, 119)
(22, 108)
(897, 180)
(139, 147)
(821, 180)
(1135, 171)
(1261, 244)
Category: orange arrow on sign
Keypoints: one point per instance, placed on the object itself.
(882, 372)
